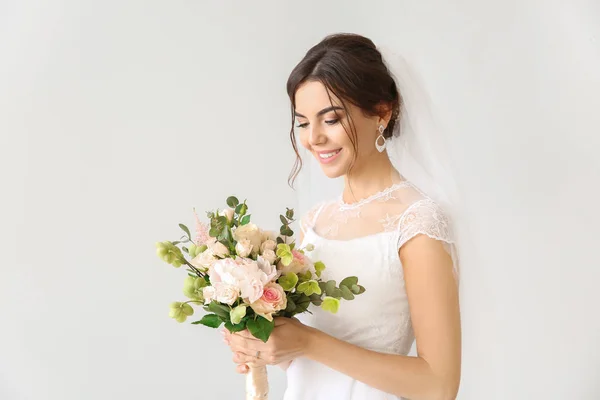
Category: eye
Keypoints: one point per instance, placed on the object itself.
(332, 121)
(304, 125)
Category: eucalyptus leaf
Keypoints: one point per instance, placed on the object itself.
(186, 230)
(283, 220)
(330, 288)
(245, 220)
(346, 293)
(289, 213)
(349, 281)
(232, 201)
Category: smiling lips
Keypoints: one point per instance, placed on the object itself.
(326, 157)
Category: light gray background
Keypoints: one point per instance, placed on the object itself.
(118, 117)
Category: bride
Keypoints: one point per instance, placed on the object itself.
(382, 228)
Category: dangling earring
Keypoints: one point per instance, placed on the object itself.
(381, 147)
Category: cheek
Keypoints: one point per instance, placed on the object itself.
(303, 139)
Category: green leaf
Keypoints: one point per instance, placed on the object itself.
(331, 304)
(214, 232)
(232, 201)
(361, 289)
(219, 309)
(346, 293)
(186, 230)
(235, 327)
(302, 303)
(289, 213)
(245, 220)
(303, 287)
(355, 289)
(291, 306)
(283, 220)
(260, 328)
(288, 281)
(349, 281)
(280, 240)
(210, 320)
(319, 268)
(287, 232)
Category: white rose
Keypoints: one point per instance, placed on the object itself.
(209, 294)
(226, 293)
(250, 232)
(219, 249)
(227, 213)
(243, 248)
(270, 256)
(268, 245)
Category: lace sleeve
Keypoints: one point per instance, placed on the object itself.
(308, 220)
(424, 217)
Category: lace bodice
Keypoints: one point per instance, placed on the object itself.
(362, 239)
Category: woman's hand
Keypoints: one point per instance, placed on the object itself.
(289, 340)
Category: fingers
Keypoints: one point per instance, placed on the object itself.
(242, 369)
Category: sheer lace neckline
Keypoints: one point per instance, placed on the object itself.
(373, 197)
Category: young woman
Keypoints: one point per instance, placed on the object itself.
(383, 229)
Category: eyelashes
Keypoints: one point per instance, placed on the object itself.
(328, 122)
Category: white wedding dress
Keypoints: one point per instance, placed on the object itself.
(362, 239)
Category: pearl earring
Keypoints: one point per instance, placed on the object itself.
(381, 147)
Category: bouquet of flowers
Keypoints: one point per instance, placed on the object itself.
(243, 277)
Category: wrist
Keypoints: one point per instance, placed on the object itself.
(312, 339)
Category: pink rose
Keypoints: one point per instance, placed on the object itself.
(299, 265)
(272, 301)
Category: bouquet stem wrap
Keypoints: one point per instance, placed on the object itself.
(257, 383)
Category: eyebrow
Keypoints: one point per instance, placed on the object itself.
(323, 111)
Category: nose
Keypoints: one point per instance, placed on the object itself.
(316, 136)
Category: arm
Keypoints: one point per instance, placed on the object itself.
(433, 297)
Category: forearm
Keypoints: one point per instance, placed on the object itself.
(403, 376)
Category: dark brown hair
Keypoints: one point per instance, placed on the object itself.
(351, 67)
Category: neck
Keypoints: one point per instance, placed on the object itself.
(374, 175)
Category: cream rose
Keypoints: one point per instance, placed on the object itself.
(270, 256)
(268, 235)
(219, 249)
(204, 260)
(268, 245)
(250, 232)
(272, 301)
(243, 248)
(227, 213)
